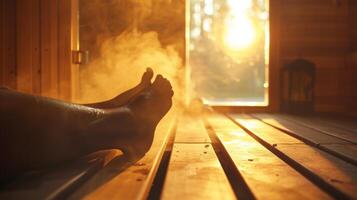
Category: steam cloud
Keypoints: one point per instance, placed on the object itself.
(122, 61)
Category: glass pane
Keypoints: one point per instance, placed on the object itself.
(228, 51)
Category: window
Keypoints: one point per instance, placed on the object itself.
(228, 51)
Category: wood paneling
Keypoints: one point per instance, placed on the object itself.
(1, 42)
(35, 51)
(319, 31)
(24, 45)
(49, 47)
(7, 44)
(37, 38)
(352, 70)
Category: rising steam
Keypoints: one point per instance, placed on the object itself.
(122, 61)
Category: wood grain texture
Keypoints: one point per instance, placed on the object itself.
(2, 30)
(56, 183)
(318, 30)
(323, 127)
(36, 47)
(272, 135)
(53, 74)
(329, 168)
(8, 44)
(267, 176)
(65, 15)
(344, 124)
(191, 129)
(24, 20)
(312, 137)
(124, 180)
(50, 48)
(309, 134)
(275, 53)
(334, 171)
(194, 172)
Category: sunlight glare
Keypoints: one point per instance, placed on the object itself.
(240, 32)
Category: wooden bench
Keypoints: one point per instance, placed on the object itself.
(218, 156)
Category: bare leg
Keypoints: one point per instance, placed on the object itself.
(125, 97)
(36, 132)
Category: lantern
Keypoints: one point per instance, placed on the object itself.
(298, 79)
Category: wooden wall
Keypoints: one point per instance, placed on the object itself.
(7, 44)
(352, 71)
(36, 43)
(319, 30)
(36, 40)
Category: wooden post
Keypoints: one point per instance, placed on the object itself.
(68, 72)
(274, 58)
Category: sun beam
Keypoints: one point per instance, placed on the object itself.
(240, 32)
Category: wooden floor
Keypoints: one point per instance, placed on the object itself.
(216, 156)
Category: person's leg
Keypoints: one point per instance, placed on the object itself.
(37, 132)
(125, 97)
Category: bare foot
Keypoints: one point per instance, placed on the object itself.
(149, 108)
(128, 95)
(131, 128)
(154, 102)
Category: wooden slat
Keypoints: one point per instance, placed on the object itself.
(74, 47)
(267, 176)
(311, 136)
(46, 47)
(194, 172)
(2, 46)
(323, 127)
(345, 124)
(24, 45)
(65, 49)
(36, 49)
(334, 171)
(8, 43)
(325, 33)
(272, 135)
(54, 84)
(57, 183)
(191, 129)
(305, 133)
(136, 180)
(330, 169)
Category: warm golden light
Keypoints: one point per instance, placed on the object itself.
(240, 32)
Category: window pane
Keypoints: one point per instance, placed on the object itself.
(228, 51)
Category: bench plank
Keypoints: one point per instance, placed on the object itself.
(59, 182)
(345, 124)
(337, 172)
(124, 180)
(267, 176)
(304, 132)
(332, 170)
(325, 128)
(191, 129)
(317, 138)
(194, 172)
